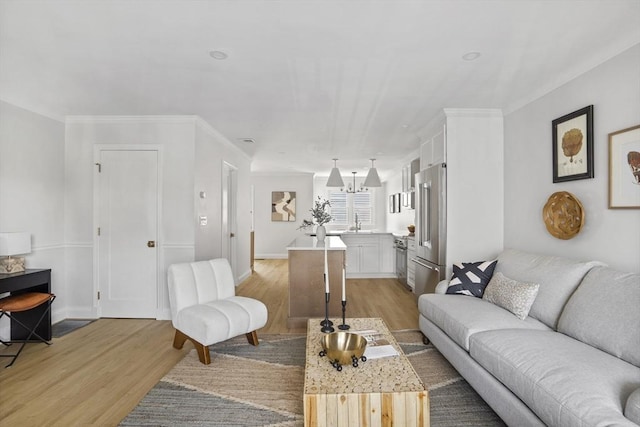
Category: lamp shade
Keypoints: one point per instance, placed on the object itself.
(335, 179)
(372, 180)
(15, 244)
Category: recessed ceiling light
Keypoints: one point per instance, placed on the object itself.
(218, 54)
(471, 56)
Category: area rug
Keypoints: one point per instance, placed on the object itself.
(66, 326)
(262, 386)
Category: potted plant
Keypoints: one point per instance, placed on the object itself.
(319, 216)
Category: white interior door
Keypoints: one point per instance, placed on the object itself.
(228, 214)
(128, 227)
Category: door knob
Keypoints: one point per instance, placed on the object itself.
(151, 243)
(232, 235)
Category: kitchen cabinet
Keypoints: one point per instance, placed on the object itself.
(433, 151)
(411, 266)
(369, 255)
(387, 254)
(409, 172)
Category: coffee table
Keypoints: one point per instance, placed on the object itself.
(379, 392)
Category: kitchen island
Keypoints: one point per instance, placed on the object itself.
(306, 278)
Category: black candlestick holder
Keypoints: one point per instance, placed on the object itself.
(344, 326)
(326, 323)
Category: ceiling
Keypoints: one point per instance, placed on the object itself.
(306, 80)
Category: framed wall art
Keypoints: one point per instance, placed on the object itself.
(392, 204)
(573, 145)
(283, 206)
(624, 168)
(397, 201)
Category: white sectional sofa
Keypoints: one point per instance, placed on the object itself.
(574, 361)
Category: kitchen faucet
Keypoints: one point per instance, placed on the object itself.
(358, 225)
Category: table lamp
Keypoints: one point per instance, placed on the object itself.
(13, 244)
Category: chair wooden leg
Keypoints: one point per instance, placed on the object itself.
(179, 339)
(203, 351)
(252, 337)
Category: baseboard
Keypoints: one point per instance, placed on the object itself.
(163, 314)
(244, 276)
(271, 256)
(371, 276)
(79, 313)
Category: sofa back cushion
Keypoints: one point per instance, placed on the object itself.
(604, 312)
(558, 277)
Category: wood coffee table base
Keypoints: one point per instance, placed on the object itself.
(379, 392)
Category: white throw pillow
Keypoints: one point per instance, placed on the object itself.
(517, 297)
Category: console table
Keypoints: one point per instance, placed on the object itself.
(29, 280)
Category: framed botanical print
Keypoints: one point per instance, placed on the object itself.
(573, 145)
(624, 168)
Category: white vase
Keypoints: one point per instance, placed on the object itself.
(321, 233)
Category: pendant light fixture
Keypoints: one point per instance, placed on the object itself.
(352, 188)
(335, 179)
(372, 180)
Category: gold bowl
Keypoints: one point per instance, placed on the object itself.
(343, 348)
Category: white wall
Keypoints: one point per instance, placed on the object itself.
(397, 222)
(272, 237)
(609, 235)
(211, 151)
(176, 136)
(32, 192)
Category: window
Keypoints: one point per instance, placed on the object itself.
(344, 206)
(339, 211)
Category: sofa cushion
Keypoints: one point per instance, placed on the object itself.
(517, 297)
(460, 316)
(564, 381)
(471, 278)
(558, 278)
(632, 408)
(605, 312)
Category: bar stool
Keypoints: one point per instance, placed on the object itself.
(24, 302)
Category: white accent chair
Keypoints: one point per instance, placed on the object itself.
(205, 309)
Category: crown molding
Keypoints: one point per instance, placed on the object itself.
(130, 119)
(35, 110)
(215, 133)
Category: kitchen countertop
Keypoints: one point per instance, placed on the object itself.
(306, 243)
(354, 233)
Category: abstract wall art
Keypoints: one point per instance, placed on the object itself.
(283, 206)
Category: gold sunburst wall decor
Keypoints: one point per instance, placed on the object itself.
(563, 215)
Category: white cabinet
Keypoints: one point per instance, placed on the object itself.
(433, 151)
(470, 142)
(409, 172)
(411, 267)
(369, 255)
(387, 254)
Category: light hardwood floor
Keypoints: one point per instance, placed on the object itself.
(97, 374)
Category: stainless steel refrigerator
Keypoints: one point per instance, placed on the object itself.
(431, 228)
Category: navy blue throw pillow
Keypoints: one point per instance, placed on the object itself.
(470, 278)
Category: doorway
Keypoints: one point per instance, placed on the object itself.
(127, 216)
(228, 214)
